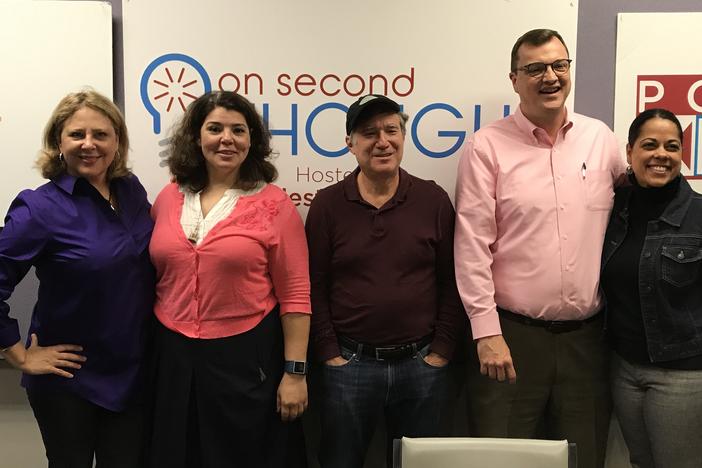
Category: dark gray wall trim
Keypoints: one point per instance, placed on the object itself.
(596, 51)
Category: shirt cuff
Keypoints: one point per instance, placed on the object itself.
(295, 308)
(9, 336)
(485, 325)
(443, 348)
(327, 349)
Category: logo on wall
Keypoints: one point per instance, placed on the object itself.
(308, 108)
(682, 95)
(171, 82)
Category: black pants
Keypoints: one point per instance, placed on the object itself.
(216, 400)
(74, 430)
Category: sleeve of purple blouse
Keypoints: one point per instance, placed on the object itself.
(288, 262)
(21, 241)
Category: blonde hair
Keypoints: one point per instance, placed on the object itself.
(49, 163)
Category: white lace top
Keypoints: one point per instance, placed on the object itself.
(195, 226)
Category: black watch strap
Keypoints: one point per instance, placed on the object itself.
(296, 367)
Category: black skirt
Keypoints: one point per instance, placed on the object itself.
(215, 401)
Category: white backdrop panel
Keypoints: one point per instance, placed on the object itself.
(446, 62)
(656, 68)
(48, 49)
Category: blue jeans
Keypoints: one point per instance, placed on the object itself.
(409, 392)
(660, 413)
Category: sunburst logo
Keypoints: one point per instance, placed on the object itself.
(171, 89)
(169, 83)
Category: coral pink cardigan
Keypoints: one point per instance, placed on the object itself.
(250, 261)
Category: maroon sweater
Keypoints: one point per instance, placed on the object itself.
(383, 276)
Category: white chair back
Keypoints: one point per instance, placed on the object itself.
(479, 452)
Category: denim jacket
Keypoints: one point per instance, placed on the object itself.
(670, 272)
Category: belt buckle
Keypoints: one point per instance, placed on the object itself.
(562, 326)
(381, 350)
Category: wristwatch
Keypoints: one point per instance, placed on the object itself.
(296, 367)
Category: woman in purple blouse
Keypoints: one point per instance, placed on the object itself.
(86, 232)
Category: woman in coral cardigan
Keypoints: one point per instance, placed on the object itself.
(232, 296)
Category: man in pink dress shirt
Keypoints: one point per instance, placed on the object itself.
(533, 197)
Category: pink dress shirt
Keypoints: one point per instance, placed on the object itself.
(250, 261)
(531, 217)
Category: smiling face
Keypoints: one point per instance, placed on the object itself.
(656, 155)
(542, 98)
(89, 144)
(225, 140)
(378, 144)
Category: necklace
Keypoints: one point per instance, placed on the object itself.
(193, 236)
(113, 205)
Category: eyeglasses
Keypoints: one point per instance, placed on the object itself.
(536, 69)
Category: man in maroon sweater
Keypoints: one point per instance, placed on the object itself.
(386, 312)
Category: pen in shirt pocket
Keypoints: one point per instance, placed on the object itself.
(583, 170)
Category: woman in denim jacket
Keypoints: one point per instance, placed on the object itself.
(651, 278)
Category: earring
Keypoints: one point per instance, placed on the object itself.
(629, 170)
(61, 158)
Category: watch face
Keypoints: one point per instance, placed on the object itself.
(296, 367)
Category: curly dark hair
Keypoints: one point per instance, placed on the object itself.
(186, 161)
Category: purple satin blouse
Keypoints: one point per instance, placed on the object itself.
(96, 283)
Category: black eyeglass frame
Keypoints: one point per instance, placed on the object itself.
(540, 72)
